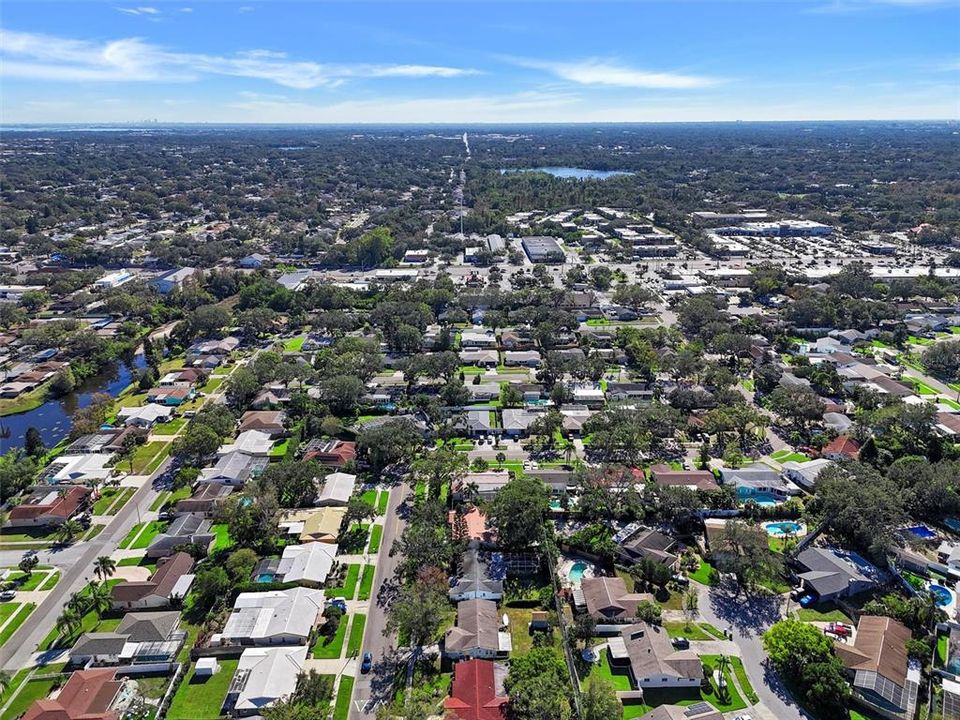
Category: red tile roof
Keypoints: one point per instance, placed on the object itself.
(62, 507)
(842, 445)
(87, 695)
(474, 692)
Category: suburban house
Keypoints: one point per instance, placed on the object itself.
(476, 692)
(148, 639)
(487, 482)
(78, 469)
(476, 423)
(648, 544)
(337, 489)
(275, 617)
(653, 661)
(606, 598)
(483, 392)
(184, 530)
(322, 525)
(474, 526)
(832, 573)
(263, 676)
(478, 578)
(234, 468)
(204, 499)
(87, 695)
(666, 476)
(805, 473)
(882, 676)
(516, 421)
(268, 421)
(842, 447)
(172, 280)
(307, 564)
(249, 442)
(48, 506)
(477, 633)
(145, 416)
(521, 358)
(480, 358)
(697, 711)
(169, 583)
(170, 396)
(330, 452)
(757, 482)
(478, 339)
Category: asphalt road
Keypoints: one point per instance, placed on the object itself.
(76, 566)
(376, 687)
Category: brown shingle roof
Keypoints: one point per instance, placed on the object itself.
(880, 646)
(168, 572)
(87, 695)
(477, 626)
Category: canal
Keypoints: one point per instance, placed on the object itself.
(53, 418)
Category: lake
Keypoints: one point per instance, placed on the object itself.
(570, 173)
(52, 418)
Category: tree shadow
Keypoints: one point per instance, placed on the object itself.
(749, 614)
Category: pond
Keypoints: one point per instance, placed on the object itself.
(53, 418)
(570, 173)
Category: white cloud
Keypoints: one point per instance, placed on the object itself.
(596, 71)
(186, 9)
(45, 57)
(138, 10)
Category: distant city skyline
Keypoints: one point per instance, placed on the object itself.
(478, 62)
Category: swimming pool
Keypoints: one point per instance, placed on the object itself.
(575, 574)
(760, 498)
(556, 504)
(942, 594)
(265, 577)
(788, 527)
(952, 523)
(922, 532)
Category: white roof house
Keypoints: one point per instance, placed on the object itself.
(337, 489)
(805, 473)
(145, 416)
(250, 442)
(78, 468)
(311, 562)
(274, 617)
(263, 676)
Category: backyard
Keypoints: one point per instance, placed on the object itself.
(201, 699)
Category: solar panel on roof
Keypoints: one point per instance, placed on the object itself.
(697, 709)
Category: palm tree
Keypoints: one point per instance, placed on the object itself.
(501, 459)
(104, 567)
(68, 531)
(99, 598)
(78, 603)
(68, 622)
(4, 682)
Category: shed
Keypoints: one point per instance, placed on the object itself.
(206, 666)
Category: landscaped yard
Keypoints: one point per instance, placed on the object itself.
(693, 630)
(17, 618)
(349, 586)
(31, 691)
(331, 647)
(828, 613)
(782, 456)
(744, 681)
(702, 573)
(138, 562)
(383, 497)
(112, 499)
(619, 677)
(376, 535)
(222, 531)
(170, 428)
(294, 344)
(201, 698)
(170, 498)
(356, 634)
(37, 578)
(212, 384)
(147, 457)
(342, 707)
(366, 582)
(147, 533)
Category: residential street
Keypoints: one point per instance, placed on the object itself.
(76, 566)
(748, 618)
(376, 687)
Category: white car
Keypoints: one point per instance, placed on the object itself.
(743, 717)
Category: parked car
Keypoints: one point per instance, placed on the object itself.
(681, 643)
(338, 602)
(367, 663)
(8, 595)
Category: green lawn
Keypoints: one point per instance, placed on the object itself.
(170, 498)
(138, 562)
(943, 642)
(782, 456)
(112, 499)
(51, 581)
(150, 531)
(146, 455)
(747, 384)
(619, 677)
(744, 681)
(295, 344)
(330, 648)
(31, 691)
(37, 577)
(702, 574)
(383, 498)
(355, 642)
(949, 403)
(212, 384)
(23, 612)
(366, 582)
(376, 535)
(170, 428)
(222, 531)
(201, 698)
(349, 586)
(369, 497)
(693, 631)
(829, 613)
(7, 610)
(280, 449)
(28, 535)
(341, 710)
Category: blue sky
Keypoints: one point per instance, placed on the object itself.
(463, 62)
